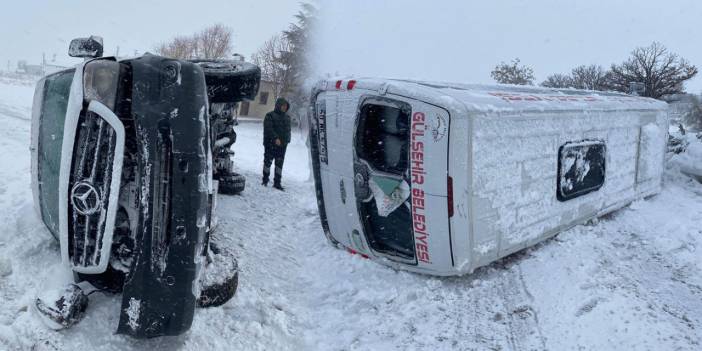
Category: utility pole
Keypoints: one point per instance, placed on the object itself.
(117, 52)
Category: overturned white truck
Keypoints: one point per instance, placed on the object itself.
(443, 178)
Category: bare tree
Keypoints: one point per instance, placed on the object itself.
(275, 67)
(214, 42)
(558, 81)
(661, 71)
(592, 77)
(180, 47)
(513, 73)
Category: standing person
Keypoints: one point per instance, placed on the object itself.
(276, 136)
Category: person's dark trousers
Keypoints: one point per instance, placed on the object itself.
(277, 154)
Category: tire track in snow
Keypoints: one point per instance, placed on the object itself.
(12, 112)
(651, 278)
(522, 318)
(268, 256)
(493, 309)
(487, 323)
(15, 127)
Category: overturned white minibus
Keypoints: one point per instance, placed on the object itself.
(444, 178)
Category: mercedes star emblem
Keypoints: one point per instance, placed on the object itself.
(85, 198)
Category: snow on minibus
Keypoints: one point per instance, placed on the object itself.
(443, 178)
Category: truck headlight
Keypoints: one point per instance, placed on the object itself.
(100, 80)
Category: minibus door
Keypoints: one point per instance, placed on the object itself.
(401, 147)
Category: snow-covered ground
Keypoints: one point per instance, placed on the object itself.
(632, 281)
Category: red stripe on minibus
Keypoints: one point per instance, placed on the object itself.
(449, 189)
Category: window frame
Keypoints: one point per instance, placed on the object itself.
(263, 98)
(50, 219)
(360, 123)
(578, 192)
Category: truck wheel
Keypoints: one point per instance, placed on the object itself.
(230, 81)
(220, 278)
(232, 184)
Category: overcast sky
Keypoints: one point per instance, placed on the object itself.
(451, 40)
(461, 40)
(30, 27)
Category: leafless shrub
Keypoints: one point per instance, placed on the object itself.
(214, 42)
(513, 73)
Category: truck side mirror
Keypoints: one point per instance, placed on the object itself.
(86, 47)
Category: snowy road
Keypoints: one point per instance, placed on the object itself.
(632, 281)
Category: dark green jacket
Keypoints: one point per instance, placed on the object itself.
(276, 124)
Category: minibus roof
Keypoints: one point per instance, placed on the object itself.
(502, 100)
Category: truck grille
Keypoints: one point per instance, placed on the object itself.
(89, 190)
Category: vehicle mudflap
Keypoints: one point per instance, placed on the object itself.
(169, 113)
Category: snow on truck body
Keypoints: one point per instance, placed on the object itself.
(122, 176)
(444, 178)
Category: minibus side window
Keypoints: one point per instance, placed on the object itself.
(581, 168)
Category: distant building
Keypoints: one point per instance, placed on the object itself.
(49, 68)
(32, 70)
(262, 104)
(37, 70)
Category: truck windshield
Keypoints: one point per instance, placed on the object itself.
(382, 141)
(56, 91)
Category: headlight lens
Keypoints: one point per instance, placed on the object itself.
(100, 80)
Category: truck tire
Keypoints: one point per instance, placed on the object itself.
(230, 81)
(220, 279)
(232, 184)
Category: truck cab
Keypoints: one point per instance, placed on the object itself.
(124, 177)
